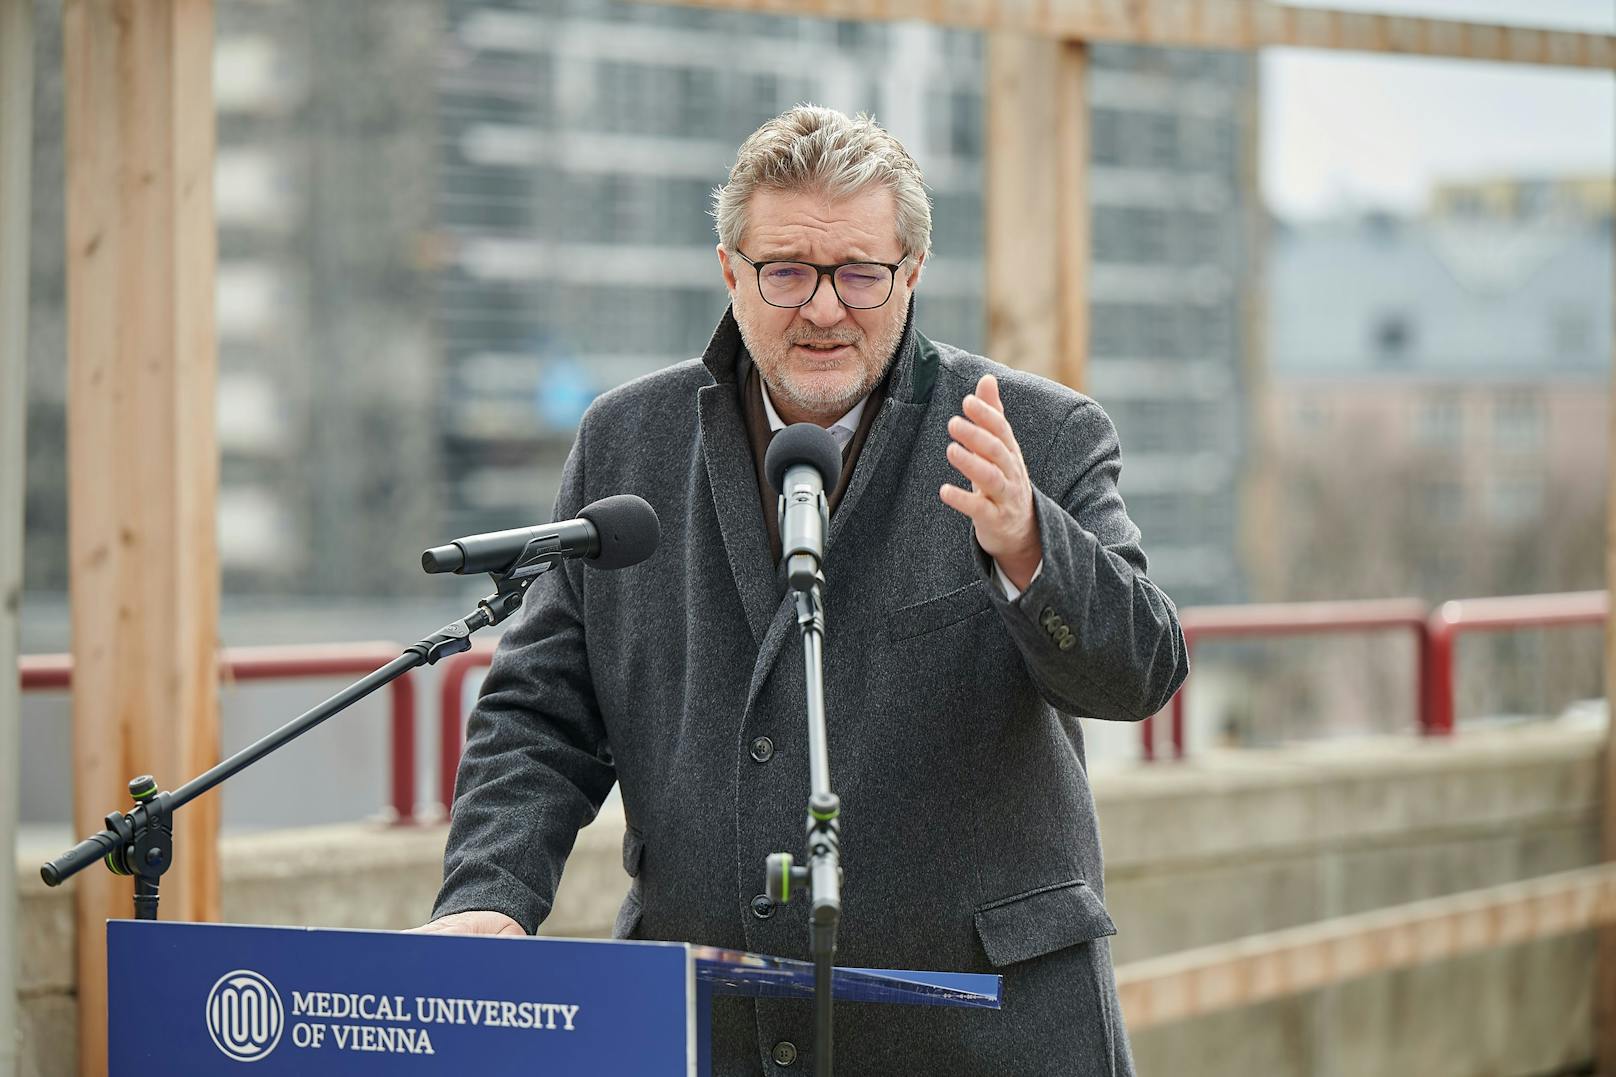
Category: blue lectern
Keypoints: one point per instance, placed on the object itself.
(203, 999)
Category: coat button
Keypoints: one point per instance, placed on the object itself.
(762, 750)
(762, 907)
(785, 1053)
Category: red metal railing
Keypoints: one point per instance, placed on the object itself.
(1491, 615)
(1294, 619)
(1435, 633)
(44, 672)
(451, 716)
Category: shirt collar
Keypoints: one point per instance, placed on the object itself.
(842, 429)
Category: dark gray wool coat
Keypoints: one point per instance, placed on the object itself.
(969, 836)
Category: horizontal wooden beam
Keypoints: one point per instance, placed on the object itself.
(1219, 24)
(1262, 967)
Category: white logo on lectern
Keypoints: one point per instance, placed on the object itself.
(245, 1015)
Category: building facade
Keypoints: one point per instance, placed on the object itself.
(582, 140)
(1459, 362)
(446, 225)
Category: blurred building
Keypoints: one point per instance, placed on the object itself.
(582, 139)
(1443, 379)
(327, 421)
(324, 184)
(446, 225)
(1176, 287)
(45, 479)
(1566, 198)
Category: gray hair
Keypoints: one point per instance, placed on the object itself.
(810, 148)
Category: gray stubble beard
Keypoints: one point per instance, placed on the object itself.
(780, 388)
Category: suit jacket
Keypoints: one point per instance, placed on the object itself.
(969, 837)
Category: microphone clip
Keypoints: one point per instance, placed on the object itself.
(539, 556)
(510, 587)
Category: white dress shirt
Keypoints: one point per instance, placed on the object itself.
(842, 430)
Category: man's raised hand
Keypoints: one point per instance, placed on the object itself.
(999, 501)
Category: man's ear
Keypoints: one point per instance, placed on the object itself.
(728, 270)
(914, 276)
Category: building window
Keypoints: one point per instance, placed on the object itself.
(1441, 501)
(1518, 421)
(1441, 421)
(1515, 500)
(965, 123)
(1312, 414)
(1392, 338)
(1573, 331)
(1159, 134)
(1106, 134)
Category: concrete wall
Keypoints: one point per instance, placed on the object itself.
(1223, 846)
(1243, 843)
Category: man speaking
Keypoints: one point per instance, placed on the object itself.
(984, 586)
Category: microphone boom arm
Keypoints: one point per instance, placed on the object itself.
(139, 842)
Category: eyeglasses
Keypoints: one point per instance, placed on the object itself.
(859, 285)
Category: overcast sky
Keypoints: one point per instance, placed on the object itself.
(1346, 130)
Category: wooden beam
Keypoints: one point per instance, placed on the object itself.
(1019, 203)
(1219, 24)
(16, 158)
(1036, 205)
(1073, 214)
(1263, 967)
(143, 462)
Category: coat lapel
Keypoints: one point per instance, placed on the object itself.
(886, 453)
(728, 460)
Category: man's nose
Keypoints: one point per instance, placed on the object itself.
(823, 307)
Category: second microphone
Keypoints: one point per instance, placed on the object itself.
(802, 462)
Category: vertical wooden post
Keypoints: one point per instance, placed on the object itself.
(1073, 214)
(16, 151)
(1037, 206)
(142, 458)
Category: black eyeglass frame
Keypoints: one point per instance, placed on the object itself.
(824, 271)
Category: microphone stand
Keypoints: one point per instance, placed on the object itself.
(823, 875)
(140, 842)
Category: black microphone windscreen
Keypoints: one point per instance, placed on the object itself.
(628, 527)
(803, 443)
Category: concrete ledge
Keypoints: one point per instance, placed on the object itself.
(1217, 848)
(1344, 793)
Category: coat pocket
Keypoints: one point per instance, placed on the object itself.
(628, 914)
(627, 924)
(633, 852)
(907, 622)
(1041, 921)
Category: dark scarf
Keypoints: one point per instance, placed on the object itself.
(759, 435)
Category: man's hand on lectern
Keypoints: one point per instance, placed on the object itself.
(475, 922)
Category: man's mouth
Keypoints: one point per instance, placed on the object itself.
(822, 348)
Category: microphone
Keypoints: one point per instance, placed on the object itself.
(802, 460)
(614, 532)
